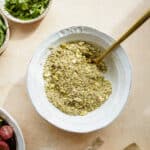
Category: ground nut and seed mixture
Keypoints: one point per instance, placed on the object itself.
(73, 83)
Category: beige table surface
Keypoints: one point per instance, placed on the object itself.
(109, 16)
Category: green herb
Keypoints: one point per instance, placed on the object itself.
(26, 9)
(72, 83)
(3, 29)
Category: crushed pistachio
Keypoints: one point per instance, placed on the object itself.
(132, 146)
(72, 83)
(95, 144)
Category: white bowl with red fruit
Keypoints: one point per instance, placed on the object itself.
(11, 137)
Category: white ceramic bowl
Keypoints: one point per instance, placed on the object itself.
(19, 137)
(14, 19)
(3, 47)
(119, 73)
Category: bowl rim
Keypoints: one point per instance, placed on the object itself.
(15, 125)
(80, 29)
(4, 45)
(20, 21)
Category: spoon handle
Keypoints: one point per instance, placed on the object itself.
(124, 36)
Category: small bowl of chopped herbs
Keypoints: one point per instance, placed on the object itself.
(25, 11)
(72, 92)
(4, 32)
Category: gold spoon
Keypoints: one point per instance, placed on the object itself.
(133, 28)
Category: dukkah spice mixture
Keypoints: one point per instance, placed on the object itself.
(73, 83)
